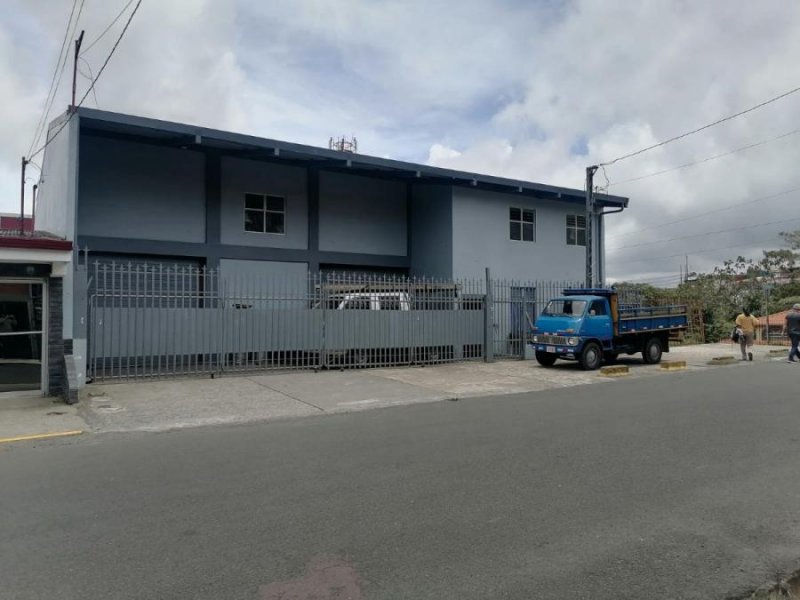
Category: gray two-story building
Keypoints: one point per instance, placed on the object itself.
(128, 188)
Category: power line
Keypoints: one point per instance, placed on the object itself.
(108, 27)
(94, 81)
(705, 233)
(710, 212)
(705, 160)
(699, 129)
(57, 73)
(695, 253)
(90, 77)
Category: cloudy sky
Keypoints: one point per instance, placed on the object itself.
(530, 89)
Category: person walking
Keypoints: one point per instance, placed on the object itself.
(792, 328)
(747, 324)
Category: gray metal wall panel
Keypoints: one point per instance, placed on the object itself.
(242, 176)
(138, 190)
(363, 215)
(432, 231)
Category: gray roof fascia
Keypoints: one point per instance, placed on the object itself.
(287, 149)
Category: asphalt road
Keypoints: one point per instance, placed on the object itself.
(680, 486)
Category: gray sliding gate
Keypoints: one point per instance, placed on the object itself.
(156, 321)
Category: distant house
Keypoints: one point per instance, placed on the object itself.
(776, 323)
(133, 189)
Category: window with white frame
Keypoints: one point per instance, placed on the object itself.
(523, 224)
(264, 213)
(576, 230)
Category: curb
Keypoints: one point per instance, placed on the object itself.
(615, 371)
(722, 360)
(40, 436)
(673, 365)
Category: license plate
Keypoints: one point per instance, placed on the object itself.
(551, 349)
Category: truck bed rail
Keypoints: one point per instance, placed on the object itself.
(652, 318)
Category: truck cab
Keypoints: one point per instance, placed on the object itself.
(588, 325)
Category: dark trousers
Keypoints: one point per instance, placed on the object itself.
(794, 352)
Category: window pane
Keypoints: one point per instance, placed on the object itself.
(599, 307)
(581, 237)
(254, 221)
(582, 221)
(570, 220)
(571, 238)
(516, 231)
(527, 232)
(514, 214)
(275, 203)
(527, 216)
(254, 201)
(274, 223)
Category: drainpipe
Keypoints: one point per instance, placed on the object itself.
(601, 254)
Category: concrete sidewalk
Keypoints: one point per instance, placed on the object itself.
(30, 416)
(178, 403)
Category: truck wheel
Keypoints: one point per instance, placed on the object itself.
(545, 359)
(652, 351)
(591, 356)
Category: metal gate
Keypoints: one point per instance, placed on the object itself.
(153, 320)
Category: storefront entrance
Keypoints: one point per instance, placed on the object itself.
(22, 340)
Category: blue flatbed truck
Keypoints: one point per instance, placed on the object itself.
(590, 326)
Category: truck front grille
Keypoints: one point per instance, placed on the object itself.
(555, 340)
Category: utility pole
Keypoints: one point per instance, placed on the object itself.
(75, 67)
(22, 198)
(590, 171)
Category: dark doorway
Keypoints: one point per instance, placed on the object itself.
(21, 335)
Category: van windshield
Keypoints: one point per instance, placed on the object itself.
(565, 308)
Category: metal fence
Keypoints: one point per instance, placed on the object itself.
(157, 321)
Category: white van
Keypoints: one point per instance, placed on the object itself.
(375, 301)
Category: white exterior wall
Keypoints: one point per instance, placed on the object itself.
(55, 201)
(481, 238)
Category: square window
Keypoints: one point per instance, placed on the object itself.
(522, 224)
(273, 222)
(255, 201)
(254, 221)
(576, 230)
(264, 213)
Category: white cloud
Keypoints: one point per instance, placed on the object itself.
(535, 90)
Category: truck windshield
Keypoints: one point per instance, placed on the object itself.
(565, 308)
